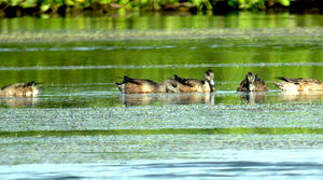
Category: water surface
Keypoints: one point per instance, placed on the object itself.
(81, 126)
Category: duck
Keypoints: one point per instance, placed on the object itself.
(28, 89)
(252, 83)
(194, 85)
(144, 86)
(299, 85)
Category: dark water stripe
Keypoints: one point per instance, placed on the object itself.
(268, 131)
(230, 164)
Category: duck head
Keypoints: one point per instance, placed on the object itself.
(209, 77)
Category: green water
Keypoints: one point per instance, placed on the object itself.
(81, 117)
(86, 71)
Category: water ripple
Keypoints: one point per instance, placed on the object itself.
(81, 48)
(160, 66)
(224, 163)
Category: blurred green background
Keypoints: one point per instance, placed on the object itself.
(14, 8)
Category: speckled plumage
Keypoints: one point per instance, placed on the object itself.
(28, 89)
(144, 86)
(194, 85)
(252, 83)
(299, 85)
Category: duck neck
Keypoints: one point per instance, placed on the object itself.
(252, 87)
(211, 85)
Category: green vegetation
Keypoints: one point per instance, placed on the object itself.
(38, 7)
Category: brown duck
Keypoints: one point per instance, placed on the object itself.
(252, 83)
(144, 86)
(28, 89)
(299, 85)
(193, 85)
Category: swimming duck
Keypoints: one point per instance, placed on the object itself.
(144, 86)
(194, 85)
(299, 85)
(252, 83)
(28, 89)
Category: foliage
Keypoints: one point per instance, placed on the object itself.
(53, 6)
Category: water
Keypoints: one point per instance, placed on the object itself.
(81, 126)
(229, 165)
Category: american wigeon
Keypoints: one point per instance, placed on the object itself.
(144, 86)
(194, 85)
(299, 85)
(28, 89)
(252, 83)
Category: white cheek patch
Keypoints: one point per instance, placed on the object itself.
(35, 92)
(29, 93)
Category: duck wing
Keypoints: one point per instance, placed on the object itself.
(300, 80)
(20, 85)
(127, 79)
(243, 86)
(187, 82)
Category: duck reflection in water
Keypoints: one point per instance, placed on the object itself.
(300, 97)
(18, 102)
(150, 99)
(254, 97)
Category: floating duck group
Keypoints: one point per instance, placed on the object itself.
(251, 83)
(176, 85)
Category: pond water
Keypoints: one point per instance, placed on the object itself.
(81, 126)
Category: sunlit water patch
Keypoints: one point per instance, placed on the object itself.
(167, 116)
(266, 164)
